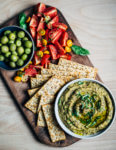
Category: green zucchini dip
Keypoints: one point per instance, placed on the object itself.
(85, 108)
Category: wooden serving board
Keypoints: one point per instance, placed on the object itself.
(19, 90)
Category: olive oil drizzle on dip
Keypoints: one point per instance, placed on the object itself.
(85, 108)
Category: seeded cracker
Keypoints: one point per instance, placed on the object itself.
(57, 72)
(41, 120)
(56, 133)
(31, 92)
(39, 80)
(51, 87)
(66, 63)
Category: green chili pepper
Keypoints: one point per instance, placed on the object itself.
(22, 19)
(24, 26)
(79, 50)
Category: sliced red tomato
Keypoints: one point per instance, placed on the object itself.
(64, 39)
(66, 56)
(43, 48)
(51, 12)
(46, 64)
(45, 59)
(33, 32)
(53, 33)
(38, 67)
(60, 25)
(30, 72)
(34, 21)
(60, 49)
(54, 20)
(41, 24)
(56, 38)
(53, 51)
(47, 34)
(38, 41)
(36, 60)
(40, 9)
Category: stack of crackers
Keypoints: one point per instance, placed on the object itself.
(45, 87)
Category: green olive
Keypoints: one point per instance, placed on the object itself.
(21, 34)
(4, 40)
(18, 43)
(4, 49)
(20, 50)
(28, 44)
(24, 57)
(0, 44)
(1, 58)
(14, 53)
(20, 62)
(12, 64)
(7, 32)
(25, 39)
(7, 54)
(14, 58)
(27, 50)
(12, 47)
(10, 41)
(12, 36)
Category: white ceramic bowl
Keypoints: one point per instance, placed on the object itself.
(68, 131)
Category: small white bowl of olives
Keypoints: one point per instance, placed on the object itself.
(16, 48)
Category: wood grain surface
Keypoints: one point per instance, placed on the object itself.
(94, 23)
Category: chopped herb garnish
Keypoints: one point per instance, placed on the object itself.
(59, 102)
(98, 104)
(85, 97)
(95, 121)
(80, 82)
(75, 113)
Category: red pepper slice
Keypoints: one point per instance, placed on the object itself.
(45, 59)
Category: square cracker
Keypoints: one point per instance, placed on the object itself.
(51, 87)
(79, 73)
(39, 80)
(66, 63)
(56, 133)
(31, 92)
(41, 119)
(45, 99)
(57, 72)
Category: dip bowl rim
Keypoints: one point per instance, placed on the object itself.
(67, 130)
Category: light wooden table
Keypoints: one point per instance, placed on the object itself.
(94, 23)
